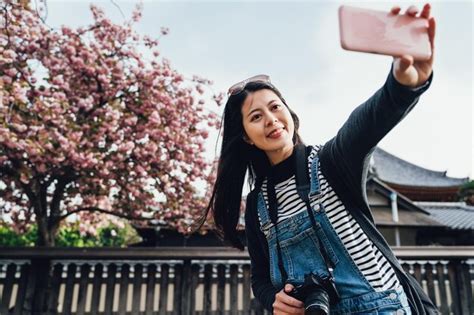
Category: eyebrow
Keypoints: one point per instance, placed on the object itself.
(272, 101)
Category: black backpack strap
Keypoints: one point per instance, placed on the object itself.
(301, 172)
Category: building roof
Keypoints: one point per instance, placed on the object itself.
(394, 170)
(386, 191)
(409, 214)
(405, 219)
(456, 215)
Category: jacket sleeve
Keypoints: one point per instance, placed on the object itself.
(373, 119)
(368, 124)
(262, 286)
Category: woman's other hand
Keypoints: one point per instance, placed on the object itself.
(285, 304)
(406, 70)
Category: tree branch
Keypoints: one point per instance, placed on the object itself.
(6, 27)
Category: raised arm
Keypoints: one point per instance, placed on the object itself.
(372, 120)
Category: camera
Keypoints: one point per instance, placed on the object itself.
(317, 293)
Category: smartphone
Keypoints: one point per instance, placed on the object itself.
(383, 33)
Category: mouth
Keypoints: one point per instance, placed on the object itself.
(276, 132)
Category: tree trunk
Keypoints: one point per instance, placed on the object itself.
(46, 232)
(47, 221)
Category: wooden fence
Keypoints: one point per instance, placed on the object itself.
(184, 280)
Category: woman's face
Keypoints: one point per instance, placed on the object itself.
(268, 124)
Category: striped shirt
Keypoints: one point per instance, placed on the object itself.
(366, 256)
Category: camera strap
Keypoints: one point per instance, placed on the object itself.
(303, 188)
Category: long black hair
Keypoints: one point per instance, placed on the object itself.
(236, 158)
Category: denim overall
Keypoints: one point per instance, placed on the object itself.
(301, 254)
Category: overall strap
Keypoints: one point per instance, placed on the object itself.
(273, 211)
(303, 187)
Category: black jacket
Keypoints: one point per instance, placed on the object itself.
(344, 163)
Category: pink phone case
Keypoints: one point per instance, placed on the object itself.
(383, 33)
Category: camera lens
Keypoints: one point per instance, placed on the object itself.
(317, 302)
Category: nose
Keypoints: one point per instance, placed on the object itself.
(271, 120)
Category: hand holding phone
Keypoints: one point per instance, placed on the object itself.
(384, 33)
(411, 68)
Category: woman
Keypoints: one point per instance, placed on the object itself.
(324, 235)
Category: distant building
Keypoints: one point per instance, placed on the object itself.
(413, 181)
(412, 205)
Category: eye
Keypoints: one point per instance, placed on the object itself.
(276, 106)
(255, 117)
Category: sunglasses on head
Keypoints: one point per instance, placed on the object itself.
(239, 87)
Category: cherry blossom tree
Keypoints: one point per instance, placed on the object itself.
(94, 120)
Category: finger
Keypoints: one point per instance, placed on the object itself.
(289, 300)
(395, 10)
(431, 30)
(405, 62)
(431, 34)
(412, 10)
(288, 287)
(425, 12)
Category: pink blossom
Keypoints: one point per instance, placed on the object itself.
(126, 147)
(85, 104)
(131, 121)
(11, 72)
(9, 54)
(19, 128)
(6, 79)
(70, 49)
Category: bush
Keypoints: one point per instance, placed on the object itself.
(70, 236)
(8, 237)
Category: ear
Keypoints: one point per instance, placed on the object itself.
(247, 139)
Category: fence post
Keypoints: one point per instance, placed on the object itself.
(178, 290)
(454, 287)
(221, 281)
(39, 286)
(207, 298)
(464, 287)
(234, 284)
(164, 287)
(186, 288)
(442, 289)
(150, 288)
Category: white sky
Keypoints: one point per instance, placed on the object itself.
(297, 44)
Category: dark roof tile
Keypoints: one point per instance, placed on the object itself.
(394, 170)
(456, 215)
